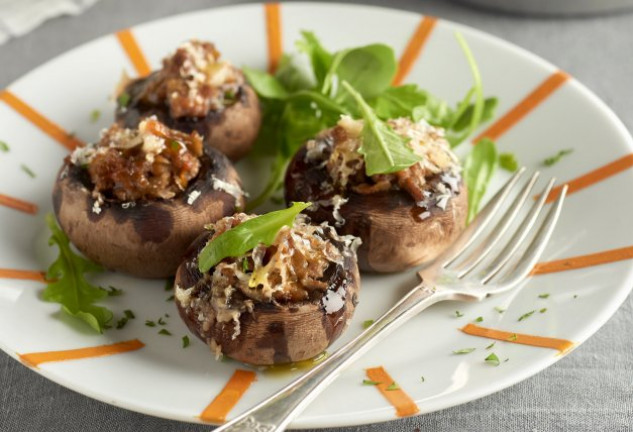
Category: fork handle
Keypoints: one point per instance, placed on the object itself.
(275, 412)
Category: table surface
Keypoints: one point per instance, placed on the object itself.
(590, 389)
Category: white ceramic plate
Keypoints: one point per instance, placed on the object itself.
(165, 380)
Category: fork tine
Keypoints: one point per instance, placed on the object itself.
(484, 248)
(518, 237)
(476, 227)
(532, 254)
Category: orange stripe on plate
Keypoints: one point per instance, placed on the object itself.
(594, 176)
(45, 125)
(37, 358)
(414, 48)
(531, 101)
(18, 204)
(133, 51)
(22, 274)
(561, 345)
(402, 402)
(273, 34)
(232, 392)
(582, 261)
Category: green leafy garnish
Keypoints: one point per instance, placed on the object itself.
(543, 296)
(185, 341)
(121, 322)
(4, 147)
(123, 99)
(491, 345)
(459, 314)
(479, 319)
(95, 114)
(508, 162)
(493, 360)
(170, 298)
(479, 167)
(114, 292)
(150, 323)
(464, 351)
(164, 332)
(513, 337)
(384, 150)
(129, 314)
(543, 310)
(499, 309)
(27, 170)
(367, 323)
(557, 157)
(161, 321)
(393, 386)
(526, 315)
(422, 379)
(370, 382)
(69, 286)
(245, 236)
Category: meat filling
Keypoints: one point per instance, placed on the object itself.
(152, 162)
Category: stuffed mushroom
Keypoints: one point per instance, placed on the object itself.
(196, 91)
(135, 200)
(403, 218)
(275, 304)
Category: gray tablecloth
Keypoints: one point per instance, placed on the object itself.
(589, 390)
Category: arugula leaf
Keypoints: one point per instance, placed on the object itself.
(69, 286)
(479, 166)
(244, 237)
(295, 72)
(465, 119)
(265, 84)
(384, 150)
(409, 100)
(508, 162)
(464, 351)
(320, 58)
(369, 69)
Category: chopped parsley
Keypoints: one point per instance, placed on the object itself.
(479, 319)
(114, 292)
(526, 315)
(464, 351)
(27, 170)
(393, 386)
(367, 323)
(129, 314)
(164, 332)
(575, 295)
(161, 321)
(508, 162)
(4, 147)
(121, 322)
(94, 115)
(513, 337)
(422, 378)
(150, 323)
(557, 157)
(543, 310)
(123, 100)
(491, 345)
(458, 314)
(543, 296)
(370, 382)
(185, 341)
(499, 309)
(493, 360)
(175, 145)
(170, 298)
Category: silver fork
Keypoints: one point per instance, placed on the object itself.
(455, 275)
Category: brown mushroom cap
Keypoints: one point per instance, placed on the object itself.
(272, 333)
(232, 130)
(144, 238)
(388, 222)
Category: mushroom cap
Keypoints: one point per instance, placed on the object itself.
(394, 236)
(142, 238)
(272, 333)
(232, 130)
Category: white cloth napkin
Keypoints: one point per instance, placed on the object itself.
(18, 17)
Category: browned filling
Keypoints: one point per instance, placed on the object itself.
(193, 81)
(152, 162)
(337, 150)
